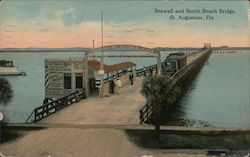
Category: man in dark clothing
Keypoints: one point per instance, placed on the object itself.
(132, 75)
(112, 86)
(131, 79)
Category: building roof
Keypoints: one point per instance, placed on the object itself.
(120, 66)
(112, 68)
(96, 65)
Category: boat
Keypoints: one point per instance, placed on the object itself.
(7, 68)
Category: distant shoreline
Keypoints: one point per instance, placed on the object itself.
(31, 50)
(37, 50)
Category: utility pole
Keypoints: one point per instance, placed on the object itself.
(102, 42)
(101, 71)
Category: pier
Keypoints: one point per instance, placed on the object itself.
(127, 107)
(122, 108)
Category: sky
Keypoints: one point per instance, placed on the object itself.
(76, 23)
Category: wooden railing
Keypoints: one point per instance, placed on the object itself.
(147, 110)
(140, 72)
(146, 70)
(54, 106)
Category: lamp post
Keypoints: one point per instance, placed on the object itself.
(101, 71)
(102, 43)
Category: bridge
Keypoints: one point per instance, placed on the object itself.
(128, 107)
(123, 56)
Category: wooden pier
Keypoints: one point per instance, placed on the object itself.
(127, 107)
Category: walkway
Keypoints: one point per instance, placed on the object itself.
(122, 108)
(193, 57)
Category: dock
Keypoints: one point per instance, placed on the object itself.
(122, 108)
(114, 109)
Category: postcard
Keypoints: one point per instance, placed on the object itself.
(81, 78)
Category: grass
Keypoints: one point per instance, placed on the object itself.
(190, 140)
(9, 134)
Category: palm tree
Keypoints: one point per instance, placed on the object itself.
(6, 92)
(6, 95)
(154, 89)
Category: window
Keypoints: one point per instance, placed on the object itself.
(67, 81)
(79, 81)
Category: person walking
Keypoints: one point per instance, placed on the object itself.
(131, 78)
(112, 86)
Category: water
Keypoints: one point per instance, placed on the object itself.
(219, 95)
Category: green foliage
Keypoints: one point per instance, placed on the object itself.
(154, 88)
(191, 140)
(6, 92)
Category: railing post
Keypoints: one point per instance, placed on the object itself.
(141, 117)
(35, 119)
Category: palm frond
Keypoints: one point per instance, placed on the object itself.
(6, 92)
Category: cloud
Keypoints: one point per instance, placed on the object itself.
(54, 33)
(70, 11)
(249, 16)
(68, 26)
(1, 2)
(59, 13)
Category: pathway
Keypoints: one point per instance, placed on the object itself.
(72, 142)
(122, 108)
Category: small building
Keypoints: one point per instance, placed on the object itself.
(64, 76)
